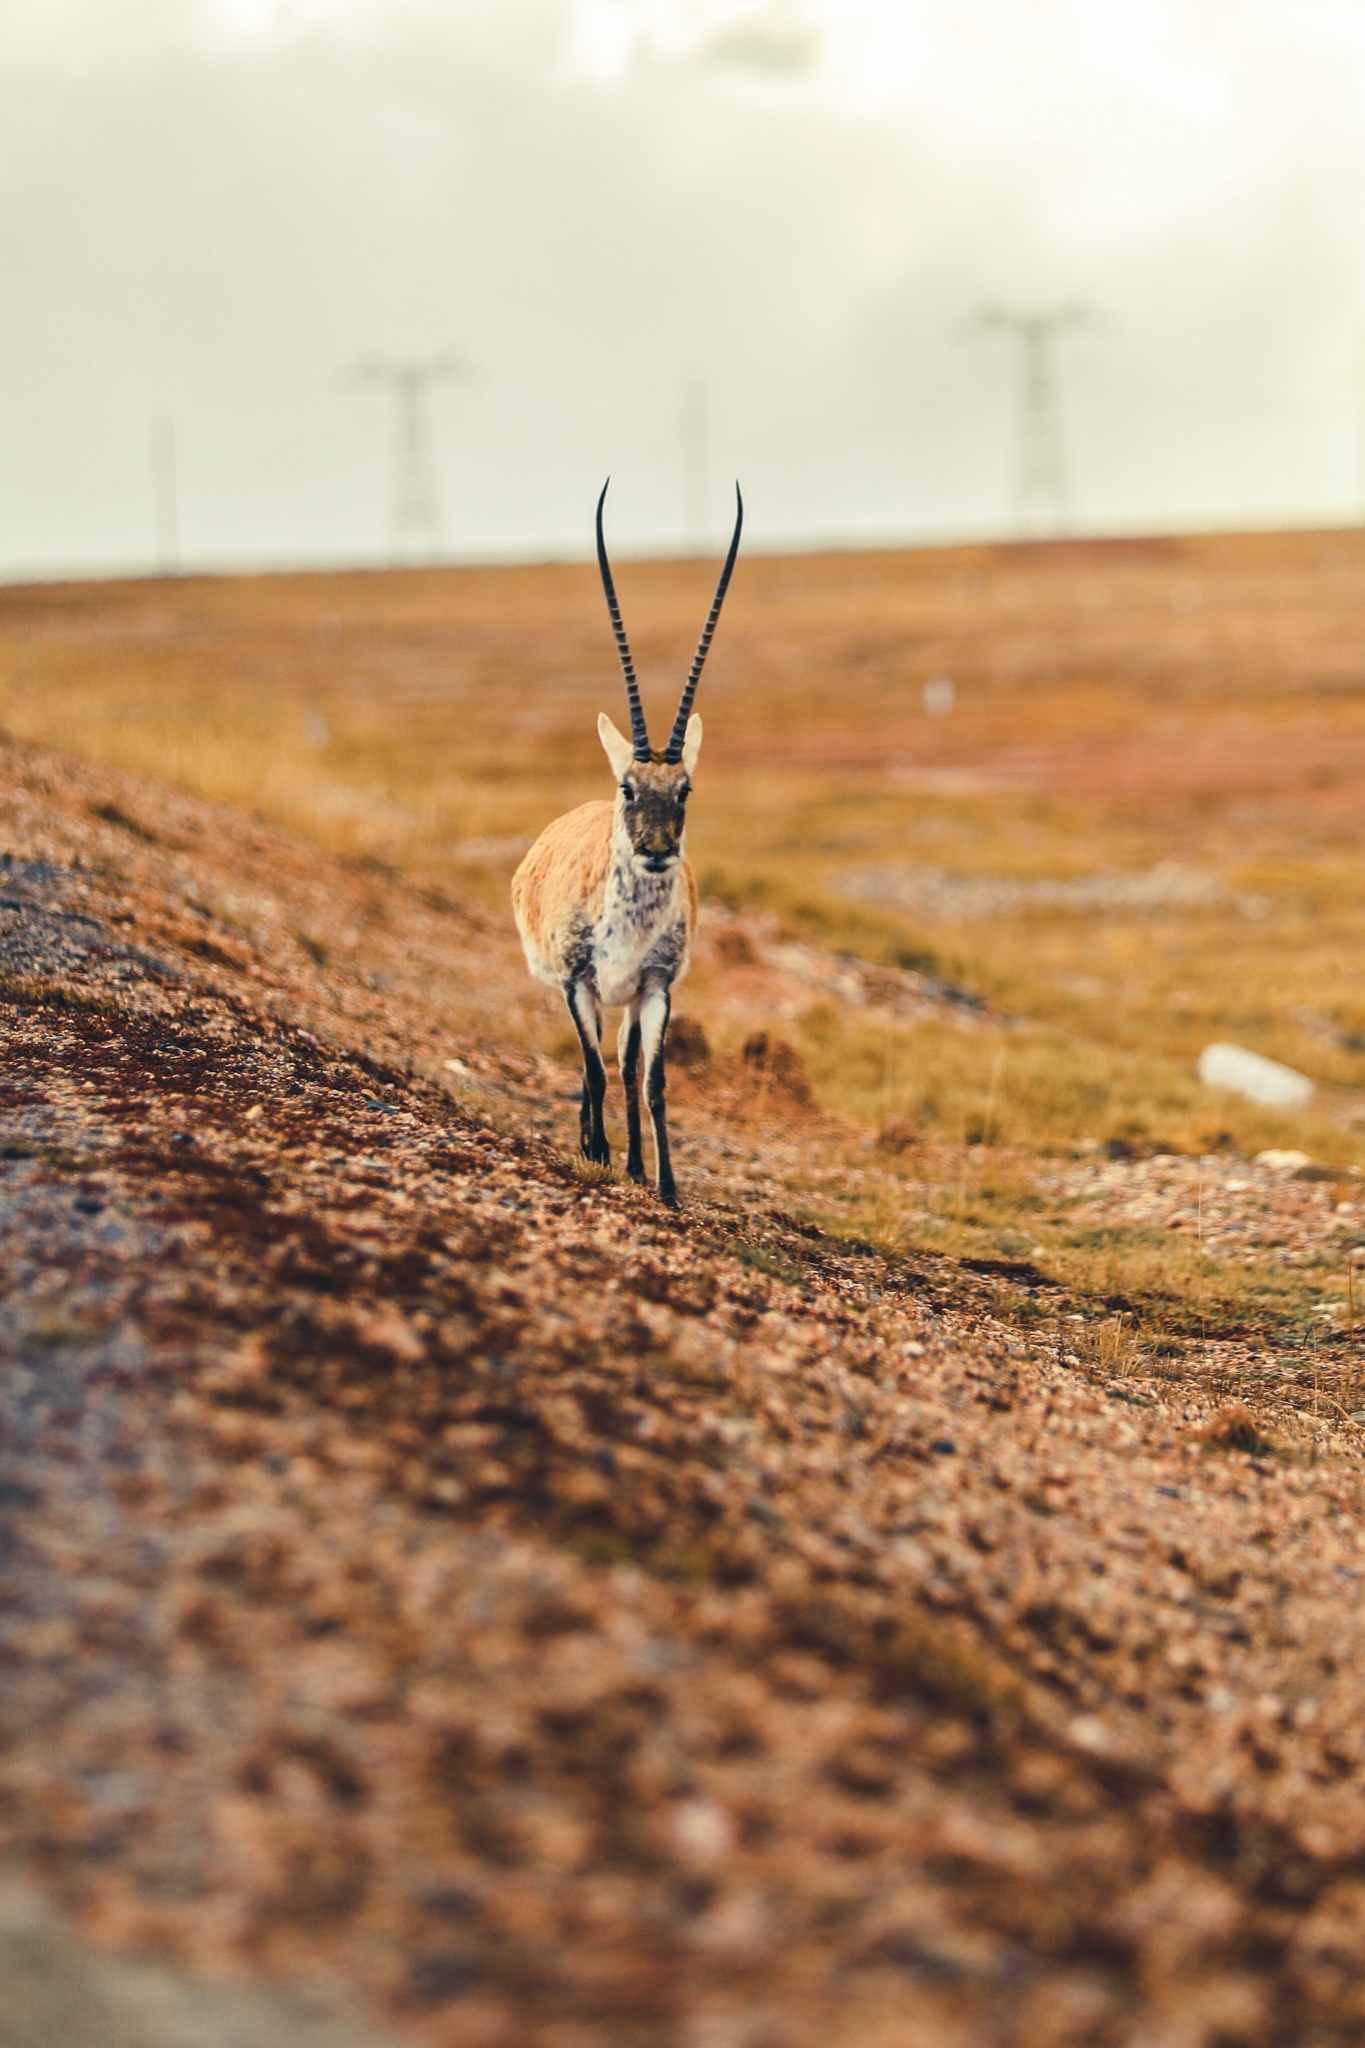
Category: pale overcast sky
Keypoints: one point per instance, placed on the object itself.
(211, 210)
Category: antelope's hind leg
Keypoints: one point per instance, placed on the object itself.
(592, 1134)
(628, 1056)
(654, 1009)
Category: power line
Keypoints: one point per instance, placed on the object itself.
(414, 481)
(1041, 483)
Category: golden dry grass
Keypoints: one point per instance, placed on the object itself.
(1193, 707)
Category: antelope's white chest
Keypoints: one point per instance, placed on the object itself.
(642, 930)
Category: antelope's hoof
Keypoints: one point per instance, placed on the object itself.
(669, 1196)
(635, 1170)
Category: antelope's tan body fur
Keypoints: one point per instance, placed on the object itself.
(581, 908)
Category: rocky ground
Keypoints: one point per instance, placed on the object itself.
(439, 1579)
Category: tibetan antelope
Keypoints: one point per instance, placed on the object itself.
(606, 901)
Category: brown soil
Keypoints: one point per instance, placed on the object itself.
(430, 1568)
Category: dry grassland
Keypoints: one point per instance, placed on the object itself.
(1137, 830)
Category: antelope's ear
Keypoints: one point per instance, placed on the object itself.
(692, 743)
(619, 751)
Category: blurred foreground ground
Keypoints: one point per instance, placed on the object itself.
(910, 1596)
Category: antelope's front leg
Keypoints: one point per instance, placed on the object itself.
(654, 1009)
(628, 1056)
(587, 1019)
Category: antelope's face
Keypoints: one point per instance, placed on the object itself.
(654, 806)
(651, 803)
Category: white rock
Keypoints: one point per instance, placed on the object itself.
(1277, 1160)
(1258, 1079)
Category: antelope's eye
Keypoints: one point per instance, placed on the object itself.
(627, 792)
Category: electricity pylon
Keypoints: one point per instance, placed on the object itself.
(1041, 493)
(414, 482)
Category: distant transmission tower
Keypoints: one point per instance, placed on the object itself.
(1041, 494)
(414, 484)
(165, 496)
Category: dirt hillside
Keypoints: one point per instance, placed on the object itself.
(432, 1573)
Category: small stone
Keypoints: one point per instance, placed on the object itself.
(1089, 1733)
(1275, 1160)
(702, 1830)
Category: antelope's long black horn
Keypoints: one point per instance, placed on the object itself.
(673, 751)
(639, 732)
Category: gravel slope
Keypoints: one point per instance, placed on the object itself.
(428, 1571)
